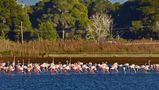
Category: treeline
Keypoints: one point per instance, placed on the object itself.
(80, 19)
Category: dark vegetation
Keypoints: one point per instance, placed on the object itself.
(134, 19)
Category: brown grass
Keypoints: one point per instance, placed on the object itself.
(37, 48)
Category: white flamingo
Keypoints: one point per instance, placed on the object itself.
(114, 67)
(132, 67)
(93, 69)
(37, 68)
(104, 67)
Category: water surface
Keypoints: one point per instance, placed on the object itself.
(120, 81)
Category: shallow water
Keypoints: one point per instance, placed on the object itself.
(120, 81)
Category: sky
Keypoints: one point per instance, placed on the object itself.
(32, 2)
(121, 1)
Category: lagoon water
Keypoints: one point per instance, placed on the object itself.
(120, 81)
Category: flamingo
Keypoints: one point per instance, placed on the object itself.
(37, 68)
(85, 68)
(104, 67)
(146, 68)
(45, 66)
(137, 67)
(53, 68)
(93, 69)
(19, 68)
(114, 67)
(75, 67)
(132, 67)
(11, 69)
(2, 65)
(30, 67)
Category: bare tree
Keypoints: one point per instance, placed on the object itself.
(101, 27)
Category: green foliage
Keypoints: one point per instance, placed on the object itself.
(137, 24)
(116, 6)
(139, 14)
(47, 30)
(48, 18)
(4, 29)
(156, 27)
(11, 14)
(67, 15)
(99, 6)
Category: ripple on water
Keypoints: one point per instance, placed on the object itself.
(80, 82)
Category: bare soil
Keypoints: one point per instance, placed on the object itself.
(110, 60)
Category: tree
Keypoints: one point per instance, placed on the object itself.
(4, 29)
(156, 27)
(47, 30)
(144, 11)
(136, 29)
(13, 13)
(101, 27)
(156, 30)
(99, 6)
(67, 15)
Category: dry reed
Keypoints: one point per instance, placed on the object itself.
(38, 48)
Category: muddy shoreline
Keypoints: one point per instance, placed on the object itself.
(110, 60)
